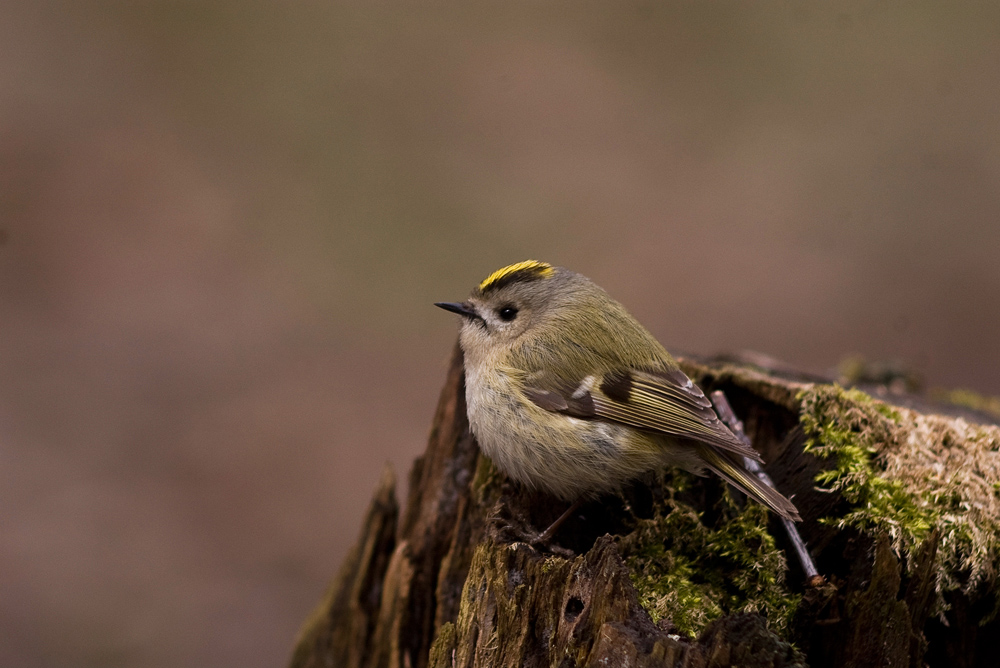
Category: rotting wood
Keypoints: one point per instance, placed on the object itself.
(449, 583)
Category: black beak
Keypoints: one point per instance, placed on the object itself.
(464, 310)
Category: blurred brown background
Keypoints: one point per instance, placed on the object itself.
(223, 225)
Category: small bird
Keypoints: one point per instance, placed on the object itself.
(569, 394)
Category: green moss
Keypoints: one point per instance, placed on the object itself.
(691, 573)
(552, 563)
(904, 474)
(851, 429)
(442, 649)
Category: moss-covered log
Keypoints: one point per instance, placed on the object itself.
(901, 510)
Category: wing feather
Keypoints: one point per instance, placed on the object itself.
(666, 401)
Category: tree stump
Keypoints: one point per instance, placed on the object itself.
(901, 511)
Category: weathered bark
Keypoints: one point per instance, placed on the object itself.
(451, 585)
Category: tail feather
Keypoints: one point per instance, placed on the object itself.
(729, 469)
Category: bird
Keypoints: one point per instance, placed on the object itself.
(568, 393)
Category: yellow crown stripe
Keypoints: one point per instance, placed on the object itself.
(534, 267)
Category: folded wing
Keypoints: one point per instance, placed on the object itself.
(667, 402)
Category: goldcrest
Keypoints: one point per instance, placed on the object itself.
(568, 393)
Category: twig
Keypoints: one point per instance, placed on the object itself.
(727, 415)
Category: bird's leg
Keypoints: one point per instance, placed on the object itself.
(547, 535)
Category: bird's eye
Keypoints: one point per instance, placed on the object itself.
(507, 313)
